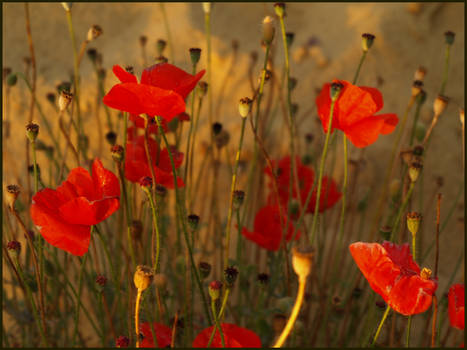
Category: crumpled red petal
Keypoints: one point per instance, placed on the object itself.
(234, 337)
(456, 305)
(163, 335)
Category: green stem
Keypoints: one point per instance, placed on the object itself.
(414, 125)
(156, 229)
(36, 177)
(381, 324)
(126, 204)
(362, 59)
(321, 170)
(446, 69)
(207, 28)
(217, 325)
(192, 122)
(78, 304)
(167, 30)
(401, 210)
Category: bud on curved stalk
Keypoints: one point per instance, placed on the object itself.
(204, 269)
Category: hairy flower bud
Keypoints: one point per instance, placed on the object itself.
(160, 46)
(420, 73)
(440, 104)
(230, 276)
(195, 55)
(214, 289)
(117, 153)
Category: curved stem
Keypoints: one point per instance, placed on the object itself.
(138, 299)
(217, 325)
(381, 324)
(362, 59)
(156, 229)
(401, 210)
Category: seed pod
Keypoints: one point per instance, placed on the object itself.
(143, 277)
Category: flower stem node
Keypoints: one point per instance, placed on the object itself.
(413, 222)
(425, 273)
(94, 32)
(335, 90)
(64, 100)
(204, 269)
(161, 59)
(302, 262)
(160, 46)
(14, 247)
(230, 276)
(244, 106)
(117, 153)
(414, 171)
(195, 55)
(193, 221)
(279, 7)
(440, 105)
(111, 138)
(143, 277)
(32, 130)
(416, 87)
(214, 289)
(11, 194)
(268, 30)
(449, 37)
(367, 41)
(238, 198)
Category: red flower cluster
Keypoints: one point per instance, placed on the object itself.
(163, 335)
(330, 194)
(161, 92)
(234, 337)
(456, 299)
(354, 113)
(267, 228)
(392, 273)
(64, 216)
(137, 166)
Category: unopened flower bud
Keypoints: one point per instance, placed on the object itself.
(279, 7)
(122, 342)
(425, 273)
(413, 222)
(136, 229)
(160, 46)
(204, 269)
(101, 280)
(145, 182)
(92, 55)
(193, 221)
(117, 152)
(64, 85)
(64, 100)
(143, 277)
(32, 130)
(302, 262)
(244, 106)
(94, 32)
(268, 30)
(263, 278)
(238, 198)
(289, 38)
(111, 138)
(414, 171)
(207, 7)
(202, 89)
(11, 194)
(143, 39)
(195, 55)
(335, 90)
(160, 280)
(385, 232)
(292, 83)
(440, 104)
(11, 80)
(449, 37)
(420, 73)
(51, 98)
(367, 41)
(416, 87)
(14, 248)
(230, 276)
(214, 289)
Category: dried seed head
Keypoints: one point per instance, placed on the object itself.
(216, 128)
(230, 276)
(160, 46)
(161, 191)
(440, 105)
(160, 280)
(268, 30)
(101, 280)
(122, 342)
(263, 278)
(202, 89)
(94, 32)
(302, 262)
(425, 273)
(279, 7)
(244, 106)
(204, 269)
(11, 194)
(193, 221)
(449, 37)
(414, 171)
(32, 130)
(117, 153)
(416, 87)
(421, 97)
(136, 229)
(64, 100)
(214, 289)
(195, 55)
(143, 277)
(413, 222)
(420, 73)
(367, 41)
(161, 59)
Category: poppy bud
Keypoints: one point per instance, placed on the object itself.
(420, 73)
(268, 30)
(130, 69)
(14, 247)
(416, 87)
(202, 89)
(117, 153)
(67, 6)
(309, 138)
(207, 7)
(214, 289)
(279, 7)
(440, 104)
(11, 80)
(230, 276)
(292, 83)
(136, 229)
(161, 191)
(425, 273)
(307, 159)
(143, 277)
(302, 262)
(335, 90)
(161, 59)
(101, 282)
(278, 323)
(449, 37)
(263, 278)
(216, 128)
(145, 182)
(294, 108)
(414, 171)
(160, 280)
(12, 193)
(204, 269)
(421, 97)
(64, 100)
(195, 55)
(367, 41)
(385, 232)
(160, 46)
(31, 169)
(293, 208)
(143, 39)
(244, 106)
(94, 32)
(222, 139)
(32, 130)
(193, 221)
(238, 197)
(413, 222)
(122, 342)
(51, 98)
(289, 38)
(111, 138)
(92, 54)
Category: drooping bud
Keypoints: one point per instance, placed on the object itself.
(414, 171)
(32, 130)
(238, 198)
(244, 106)
(214, 289)
(160, 46)
(230, 276)
(143, 277)
(193, 221)
(420, 73)
(94, 32)
(367, 41)
(195, 55)
(335, 90)
(14, 248)
(268, 30)
(117, 152)
(279, 7)
(449, 37)
(64, 100)
(440, 104)
(413, 222)
(204, 269)
(416, 87)
(302, 262)
(11, 194)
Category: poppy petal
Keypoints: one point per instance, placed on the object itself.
(234, 337)
(375, 95)
(411, 295)
(78, 183)
(163, 335)
(81, 211)
(390, 122)
(123, 75)
(105, 182)
(456, 305)
(365, 132)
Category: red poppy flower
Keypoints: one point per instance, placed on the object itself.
(64, 216)
(163, 335)
(456, 298)
(354, 113)
(330, 194)
(267, 228)
(161, 92)
(392, 273)
(136, 162)
(234, 337)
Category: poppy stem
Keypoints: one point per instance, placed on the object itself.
(182, 215)
(433, 325)
(401, 210)
(78, 298)
(190, 131)
(321, 171)
(232, 190)
(138, 299)
(386, 313)
(362, 59)
(217, 325)
(207, 29)
(446, 69)
(167, 30)
(409, 324)
(156, 229)
(126, 204)
(415, 120)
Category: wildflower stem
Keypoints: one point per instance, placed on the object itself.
(167, 30)
(386, 313)
(321, 170)
(182, 215)
(433, 325)
(414, 125)
(232, 189)
(401, 210)
(446, 69)
(126, 204)
(409, 324)
(293, 316)
(78, 298)
(207, 29)
(138, 299)
(362, 59)
(190, 131)
(344, 195)
(438, 215)
(156, 229)
(217, 325)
